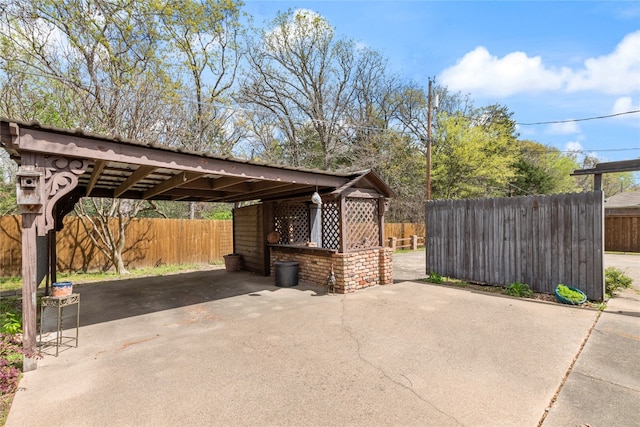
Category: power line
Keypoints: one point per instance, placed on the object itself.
(579, 120)
(581, 151)
(236, 106)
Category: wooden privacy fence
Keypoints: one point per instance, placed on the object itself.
(150, 242)
(622, 233)
(404, 235)
(540, 240)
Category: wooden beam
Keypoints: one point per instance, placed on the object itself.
(99, 148)
(233, 185)
(176, 181)
(361, 193)
(181, 193)
(611, 167)
(98, 167)
(267, 190)
(226, 182)
(29, 288)
(138, 175)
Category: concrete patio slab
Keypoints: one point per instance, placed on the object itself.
(217, 348)
(603, 388)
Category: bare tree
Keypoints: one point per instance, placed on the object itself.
(301, 74)
(110, 67)
(106, 220)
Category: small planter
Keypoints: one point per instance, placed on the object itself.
(232, 262)
(574, 301)
(61, 289)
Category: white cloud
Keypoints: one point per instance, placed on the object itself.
(616, 73)
(574, 146)
(563, 128)
(481, 73)
(625, 104)
(303, 24)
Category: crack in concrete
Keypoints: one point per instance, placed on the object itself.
(566, 375)
(382, 371)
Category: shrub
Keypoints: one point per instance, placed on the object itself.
(10, 363)
(435, 278)
(10, 316)
(615, 279)
(10, 323)
(519, 290)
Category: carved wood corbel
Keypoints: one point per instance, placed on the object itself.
(60, 178)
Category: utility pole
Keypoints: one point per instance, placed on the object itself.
(429, 108)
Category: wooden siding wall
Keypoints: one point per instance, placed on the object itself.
(150, 242)
(540, 240)
(622, 232)
(249, 238)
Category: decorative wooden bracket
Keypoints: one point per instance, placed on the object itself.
(60, 179)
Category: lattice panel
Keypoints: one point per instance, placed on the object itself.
(292, 222)
(362, 227)
(330, 225)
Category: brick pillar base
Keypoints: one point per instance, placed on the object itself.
(352, 270)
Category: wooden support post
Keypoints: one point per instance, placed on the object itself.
(393, 241)
(597, 182)
(414, 242)
(29, 287)
(343, 226)
(381, 209)
(315, 220)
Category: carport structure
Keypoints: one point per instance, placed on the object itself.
(343, 236)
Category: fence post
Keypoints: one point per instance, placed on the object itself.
(414, 242)
(393, 243)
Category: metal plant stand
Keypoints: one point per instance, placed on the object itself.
(60, 303)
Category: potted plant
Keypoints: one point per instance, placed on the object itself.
(568, 295)
(232, 262)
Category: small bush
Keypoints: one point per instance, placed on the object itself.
(10, 324)
(10, 363)
(519, 290)
(435, 278)
(615, 279)
(10, 317)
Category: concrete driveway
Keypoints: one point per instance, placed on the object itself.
(217, 348)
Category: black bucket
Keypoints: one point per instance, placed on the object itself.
(286, 273)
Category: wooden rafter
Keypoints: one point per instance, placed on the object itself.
(98, 167)
(139, 174)
(176, 181)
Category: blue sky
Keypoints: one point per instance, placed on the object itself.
(544, 60)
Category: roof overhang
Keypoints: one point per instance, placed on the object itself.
(120, 168)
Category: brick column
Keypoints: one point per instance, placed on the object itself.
(386, 266)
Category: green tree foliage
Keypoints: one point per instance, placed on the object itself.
(7, 187)
(402, 165)
(542, 170)
(473, 156)
(7, 199)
